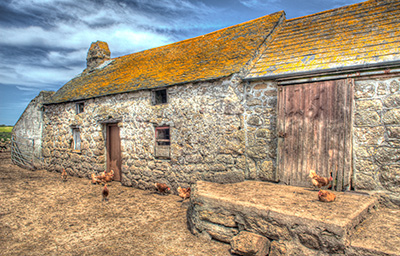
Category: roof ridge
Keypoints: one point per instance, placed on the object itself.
(201, 36)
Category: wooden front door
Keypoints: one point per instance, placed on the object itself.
(114, 151)
(315, 132)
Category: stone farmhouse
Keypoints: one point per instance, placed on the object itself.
(264, 100)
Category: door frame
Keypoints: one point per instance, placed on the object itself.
(341, 162)
(109, 147)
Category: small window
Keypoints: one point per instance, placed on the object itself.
(160, 97)
(80, 107)
(162, 147)
(77, 138)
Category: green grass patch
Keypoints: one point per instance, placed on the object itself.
(5, 132)
(6, 128)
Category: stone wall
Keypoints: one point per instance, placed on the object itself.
(222, 131)
(377, 135)
(260, 126)
(206, 126)
(29, 127)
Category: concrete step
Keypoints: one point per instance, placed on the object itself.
(292, 218)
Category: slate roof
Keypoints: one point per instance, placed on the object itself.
(211, 56)
(360, 35)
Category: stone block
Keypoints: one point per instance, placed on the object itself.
(264, 134)
(233, 108)
(366, 166)
(394, 86)
(381, 90)
(226, 159)
(369, 135)
(364, 182)
(367, 118)
(310, 241)
(392, 117)
(277, 249)
(250, 244)
(364, 90)
(261, 151)
(389, 177)
(216, 217)
(218, 232)
(266, 228)
(392, 101)
(387, 155)
(253, 102)
(254, 120)
(267, 171)
(393, 132)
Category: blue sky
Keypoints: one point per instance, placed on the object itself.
(43, 43)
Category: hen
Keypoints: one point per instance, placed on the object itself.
(184, 193)
(326, 196)
(161, 187)
(105, 193)
(319, 181)
(104, 177)
(64, 175)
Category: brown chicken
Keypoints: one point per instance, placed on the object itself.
(319, 181)
(326, 196)
(64, 175)
(105, 193)
(162, 188)
(109, 176)
(184, 193)
(104, 177)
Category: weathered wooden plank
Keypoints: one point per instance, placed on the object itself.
(340, 119)
(281, 132)
(295, 131)
(348, 140)
(329, 141)
(286, 171)
(300, 136)
(290, 134)
(323, 104)
(333, 139)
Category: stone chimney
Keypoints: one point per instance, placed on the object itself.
(97, 54)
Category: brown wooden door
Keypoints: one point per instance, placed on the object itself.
(315, 132)
(114, 151)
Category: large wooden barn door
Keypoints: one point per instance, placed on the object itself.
(114, 151)
(315, 132)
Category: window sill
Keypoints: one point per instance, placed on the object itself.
(77, 151)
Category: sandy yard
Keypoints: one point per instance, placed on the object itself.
(42, 215)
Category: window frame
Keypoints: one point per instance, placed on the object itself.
(76, 138)
(155, 100)
(161, 150)
(80, 107)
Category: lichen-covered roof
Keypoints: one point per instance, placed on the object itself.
(365, 33)
(215, 55)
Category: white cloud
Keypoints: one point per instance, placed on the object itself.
(258, 3)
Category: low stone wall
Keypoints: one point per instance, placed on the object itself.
(260, 217)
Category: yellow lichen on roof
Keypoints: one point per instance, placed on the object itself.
(365, 33)
(214, 55)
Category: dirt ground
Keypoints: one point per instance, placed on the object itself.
(42, 215)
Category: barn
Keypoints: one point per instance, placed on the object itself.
(267, 100)
(336, 76)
